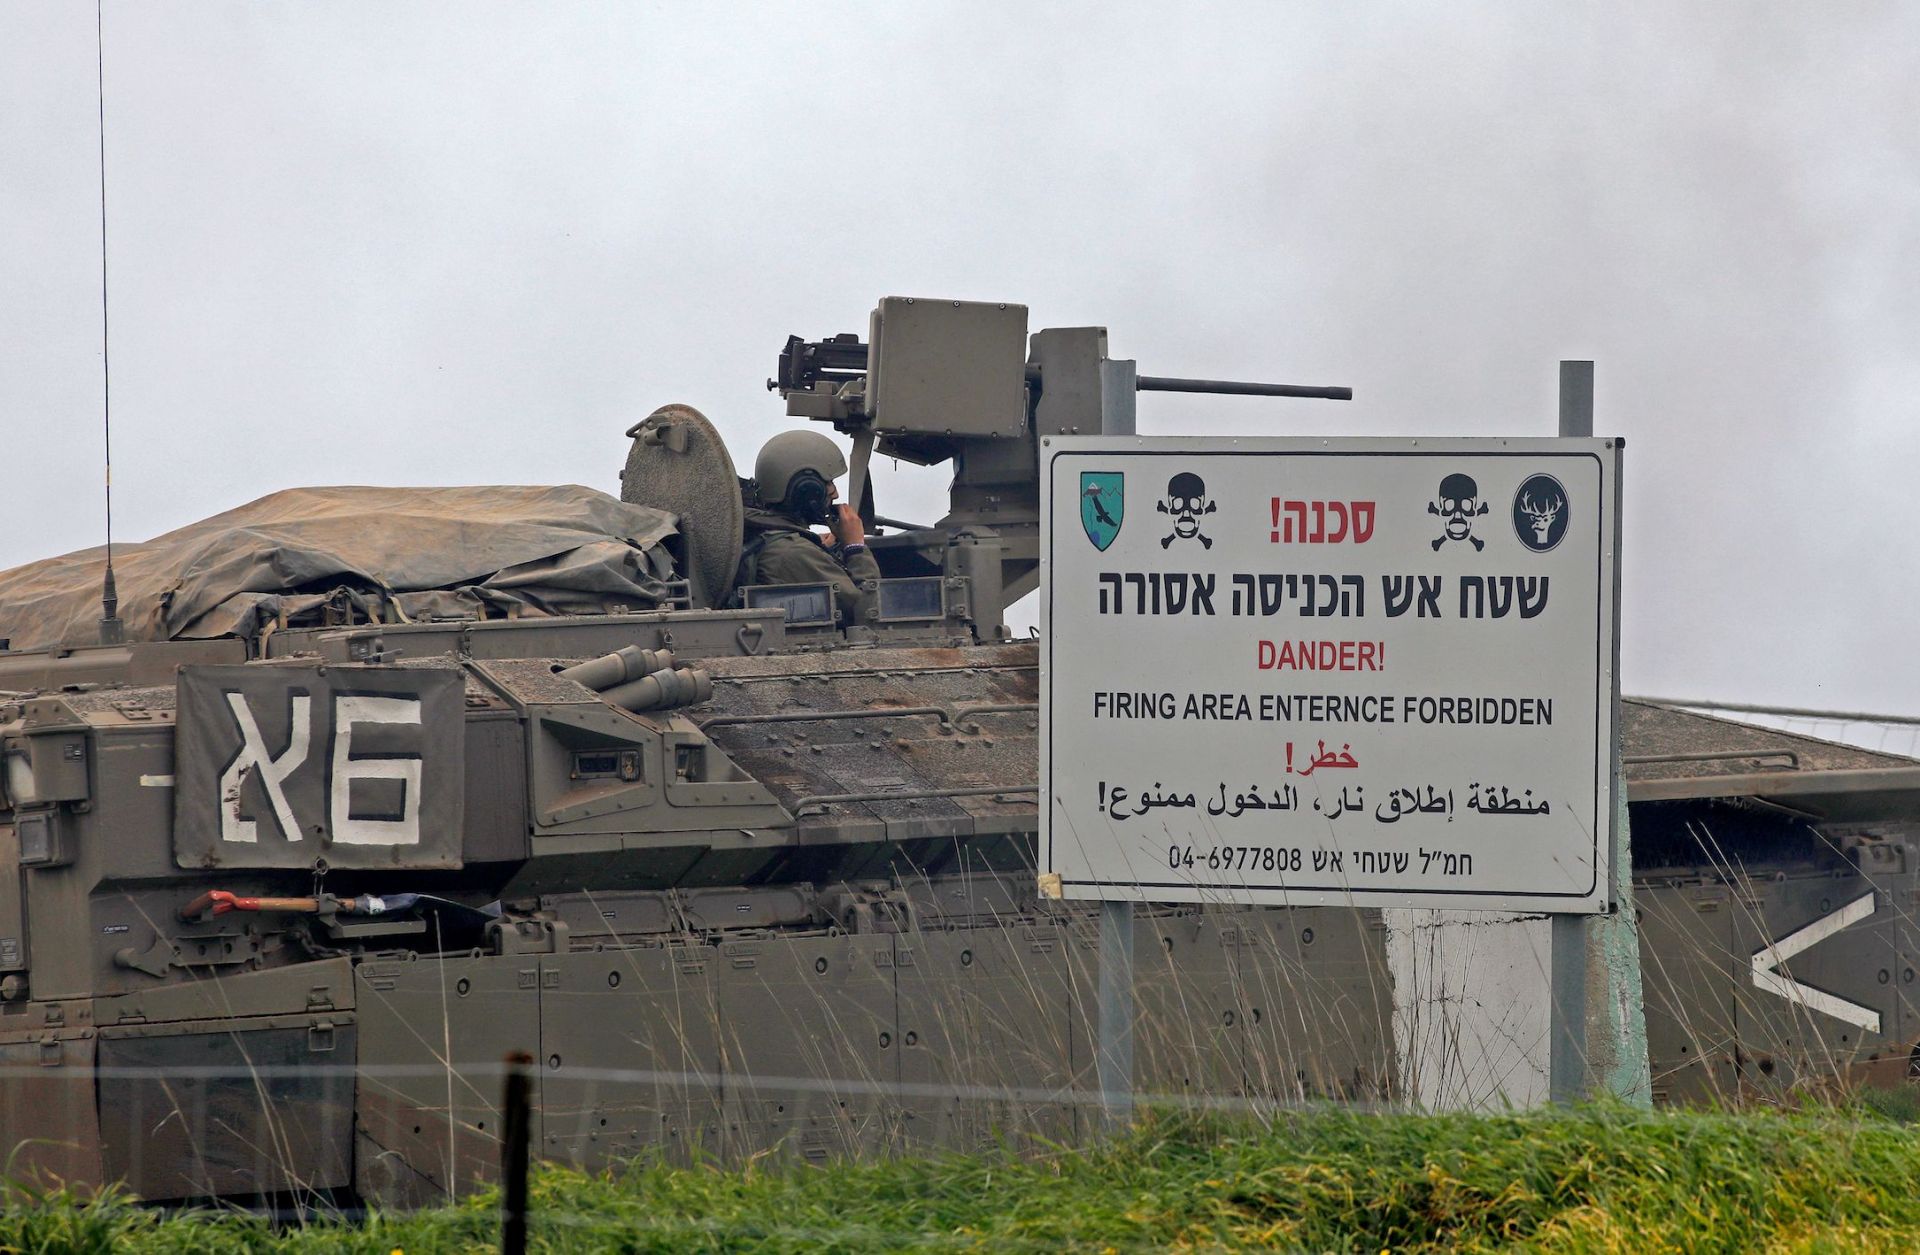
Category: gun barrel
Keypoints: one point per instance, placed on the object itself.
(1236, 388)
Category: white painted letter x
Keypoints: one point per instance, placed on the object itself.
(272, 772)
(1767, 958)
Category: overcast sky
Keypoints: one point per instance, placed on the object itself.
(448, 244)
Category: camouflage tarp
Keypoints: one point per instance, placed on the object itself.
(407, 553)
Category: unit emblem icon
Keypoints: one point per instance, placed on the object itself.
(1540, 513)
(1103, 506)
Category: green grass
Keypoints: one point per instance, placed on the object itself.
(1598, 1180)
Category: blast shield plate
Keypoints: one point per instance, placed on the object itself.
(679, 462)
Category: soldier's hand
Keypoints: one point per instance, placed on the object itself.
(847, 527)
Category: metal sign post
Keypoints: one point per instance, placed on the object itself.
(1116, 1012)
(1570, 944)
(1602, 950)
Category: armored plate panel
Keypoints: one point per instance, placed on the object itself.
(948, 368)
(320, 987)
(216, 1107)
(1190, 1039)
(1829, 1012)
(286, 765)
(679, 462)
(810, 1043)
(13, 915)
(1686, 952)
(988, 1009)
(433, 1035)
(690, 633)
(50, 1074)
(1899, 1062)
(835, 736)
(1319, 1004)
(631, 1044)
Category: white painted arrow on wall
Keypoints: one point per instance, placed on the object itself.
(1771, 956)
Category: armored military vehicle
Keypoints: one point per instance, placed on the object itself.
(347, 794)
(351, 792)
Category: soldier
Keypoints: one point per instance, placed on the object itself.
(793, 481)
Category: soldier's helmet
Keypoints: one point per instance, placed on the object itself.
(793, 471)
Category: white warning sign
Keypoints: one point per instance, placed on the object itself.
(1358, 672)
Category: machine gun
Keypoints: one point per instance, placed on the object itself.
(962, 381)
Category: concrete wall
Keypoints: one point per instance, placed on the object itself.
(1470, 1008)
(1472, 1005)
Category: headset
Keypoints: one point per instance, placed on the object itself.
(810, 497)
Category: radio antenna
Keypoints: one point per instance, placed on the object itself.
(112, 631)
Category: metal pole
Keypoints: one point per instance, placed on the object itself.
(516, 1134)
(1576, 398)
(1114, 1059)
(1567, 1077)
(1114, 1054)
(1567, 1067)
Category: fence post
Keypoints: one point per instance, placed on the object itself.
(516, 1136)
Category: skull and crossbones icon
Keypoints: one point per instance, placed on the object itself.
(1459, 504)
(1186, 501)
